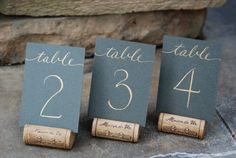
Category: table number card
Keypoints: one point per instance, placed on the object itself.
(188, 78)
(52, 86)
(121, 80)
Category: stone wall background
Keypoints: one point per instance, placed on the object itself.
(77, 23)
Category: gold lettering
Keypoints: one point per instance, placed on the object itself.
(180, 50)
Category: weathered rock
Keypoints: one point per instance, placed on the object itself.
(98, 7)
(146, 27)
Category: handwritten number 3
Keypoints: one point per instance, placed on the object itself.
(121, 83)
(57, 92)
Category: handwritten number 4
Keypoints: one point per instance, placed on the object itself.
(57, 92)
(189, 91)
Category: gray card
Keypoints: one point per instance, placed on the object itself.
(188, 77)
(121, 80)
(52, 86)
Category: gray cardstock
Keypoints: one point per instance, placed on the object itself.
(178, 65)
(133, 75)
(53, 84)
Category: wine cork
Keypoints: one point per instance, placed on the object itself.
(117, 130)
(48, 136)
(181, 125)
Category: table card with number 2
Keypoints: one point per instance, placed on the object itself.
(188, 84)
(120, 88)
(50, 105)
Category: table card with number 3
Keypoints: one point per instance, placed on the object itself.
(188, 85)
(52, 91)
(120, 88)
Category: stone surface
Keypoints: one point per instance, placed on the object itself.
(81, 31)
(225, 34)
(98, 7)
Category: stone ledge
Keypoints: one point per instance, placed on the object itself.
(99, 7)
(146, 27)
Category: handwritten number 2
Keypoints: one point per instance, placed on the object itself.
(57, 92)
(119, 84)
(189, 91)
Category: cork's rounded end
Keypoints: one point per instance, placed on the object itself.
(25, 134)
(94, 126)
(70, 139)
(160, 120)
(136, 133)
(202, 129)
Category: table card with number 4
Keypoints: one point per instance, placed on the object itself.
(50, 105)
(120, 88)
(188, 85)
